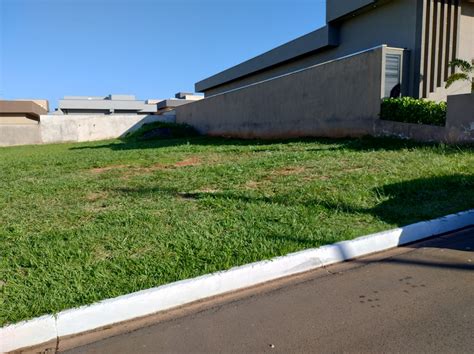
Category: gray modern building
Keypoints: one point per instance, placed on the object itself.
(111, 104)
(181, 98)
(427, 35)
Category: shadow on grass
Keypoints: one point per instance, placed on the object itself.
(361, 144)
(404, 202)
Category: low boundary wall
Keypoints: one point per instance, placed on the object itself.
(341, 98)
(20, 134)
(335, 99)
(75, 128)
(459, 127)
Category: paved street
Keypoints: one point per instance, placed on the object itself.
(418, 298)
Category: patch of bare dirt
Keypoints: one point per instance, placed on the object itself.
(100, 254)
(192, 161)
(95, 196)
(287, 171)
(100, 170)
(253, 185)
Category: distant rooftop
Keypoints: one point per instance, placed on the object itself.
(110, 104)
(109, 97)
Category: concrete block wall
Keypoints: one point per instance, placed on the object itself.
(460, 118)
(75, 128)
(80, 128)
(20, 134)
(336, 99)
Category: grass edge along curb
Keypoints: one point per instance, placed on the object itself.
(147, 302)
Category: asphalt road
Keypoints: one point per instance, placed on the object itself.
(417, 299)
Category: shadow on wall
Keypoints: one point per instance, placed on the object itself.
(404, 203)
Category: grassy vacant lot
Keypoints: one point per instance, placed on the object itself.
(84, 222)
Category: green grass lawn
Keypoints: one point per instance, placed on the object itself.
(84, 222)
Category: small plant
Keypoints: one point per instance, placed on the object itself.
(412, 110)
(466, 73)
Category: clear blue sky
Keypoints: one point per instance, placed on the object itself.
(150, 48)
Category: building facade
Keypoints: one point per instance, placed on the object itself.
(427, 35)
(111, 104)
(22, 112)
(181, 98)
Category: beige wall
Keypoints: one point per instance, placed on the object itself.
(21, 119)
(340, 98)
(42, 103)
(464, 32)
(466, 35)
(19, 135)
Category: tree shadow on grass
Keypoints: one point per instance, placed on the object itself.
(404, 202)
(360, 144)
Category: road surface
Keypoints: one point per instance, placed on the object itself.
(418, 298)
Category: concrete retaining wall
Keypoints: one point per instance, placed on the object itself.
(335, 99)
(20, 134)
(75, 128)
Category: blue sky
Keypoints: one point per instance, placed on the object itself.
(150, 48)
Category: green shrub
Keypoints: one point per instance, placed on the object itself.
(412, 110)
(161, 130)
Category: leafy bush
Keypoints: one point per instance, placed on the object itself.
(412, 110)
(162, 130)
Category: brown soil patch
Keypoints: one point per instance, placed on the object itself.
(100, 254)
(134, 171)
(253, 185)
(93, 197)
(192, 161)
(352, 169)
(287, 171)
(108, 168)
(155, 167)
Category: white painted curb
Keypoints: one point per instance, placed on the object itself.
(147, 302)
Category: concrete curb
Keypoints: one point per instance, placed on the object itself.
(147, 302)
